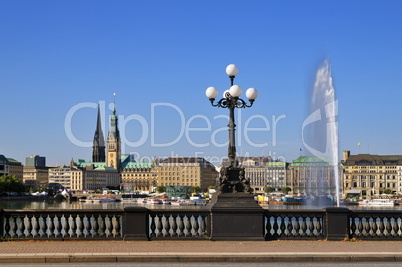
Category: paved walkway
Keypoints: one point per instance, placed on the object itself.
(199, 251)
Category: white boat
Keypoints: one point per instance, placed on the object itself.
(377, 202)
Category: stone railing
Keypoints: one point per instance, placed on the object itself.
(140, 223)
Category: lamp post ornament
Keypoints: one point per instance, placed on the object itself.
(231, 178)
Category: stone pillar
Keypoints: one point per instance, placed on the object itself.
(337, 223)
(236, 217)
(135, 223)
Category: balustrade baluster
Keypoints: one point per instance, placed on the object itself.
(102, 225)
(58, 225)
(388, 226)
(367, 227)
(188, 226)
(382, 227)
(203, 225)
(311, 226)
(7, 226)
(297, 227)
(318, 226)
(66, 225)
(282, 225)
(167, 226)
(275, 226)
(181, 225)
(267, 227)
(196, 226)
(36, 227)
(29, 226)
(352, 227)
(304, 226)
(360, 227)
(153, 225)
(95, 225)
(73, 226)
(374, 227)
(80, 225)
(159, 225)
(88, 225)
(14, 226)
(395, 227)
(50, 226)
(109, 225)
(21, 226)
(290, 227)
(116, 225)
(174, 225)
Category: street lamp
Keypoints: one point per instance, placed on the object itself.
(231, 179)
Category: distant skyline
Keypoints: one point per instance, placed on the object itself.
(160, 56)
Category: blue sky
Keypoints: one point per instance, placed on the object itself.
(160, 56)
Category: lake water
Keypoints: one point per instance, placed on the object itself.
(39, 205)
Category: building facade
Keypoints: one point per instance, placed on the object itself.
(312, 176)
(278, 175)
(36, 177)
(92, 177)
(61, 175)
(186, 171)
(371, 175)
(138, 176)
(3, 165)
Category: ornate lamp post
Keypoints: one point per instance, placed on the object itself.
(232, 178)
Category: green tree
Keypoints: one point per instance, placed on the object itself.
(268, 189)
(161, 189)
(387, 191)
(196, 189)
(10, 183)
(286, 190)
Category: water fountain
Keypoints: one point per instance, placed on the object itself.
(320, 133)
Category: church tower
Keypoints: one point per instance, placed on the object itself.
(98, 149)
(113, 142)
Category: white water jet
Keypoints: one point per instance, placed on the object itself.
(323, 141)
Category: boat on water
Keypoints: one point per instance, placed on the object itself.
(377, 202)
(91, 199)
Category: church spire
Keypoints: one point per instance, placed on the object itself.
(98, 149)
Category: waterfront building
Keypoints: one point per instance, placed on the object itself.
(371, 175)
(186, 171)
(313, 176)
(36, 177)
(278, 174)
(138, 176)
(61, 175)
(3, 165)
(98, 149)
(15, 168)
(93, 176)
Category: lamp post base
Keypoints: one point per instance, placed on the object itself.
(237, 217)
(232, 180)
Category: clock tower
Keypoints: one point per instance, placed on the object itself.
(113, 142)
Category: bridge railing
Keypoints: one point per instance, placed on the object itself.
(377, 225)
(140, 223)
(294, 224)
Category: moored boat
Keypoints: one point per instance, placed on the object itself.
(377, 202)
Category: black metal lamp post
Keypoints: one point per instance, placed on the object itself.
(232, 178)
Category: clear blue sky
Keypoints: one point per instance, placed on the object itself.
(55, 55)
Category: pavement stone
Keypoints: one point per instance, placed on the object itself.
(196, 251)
